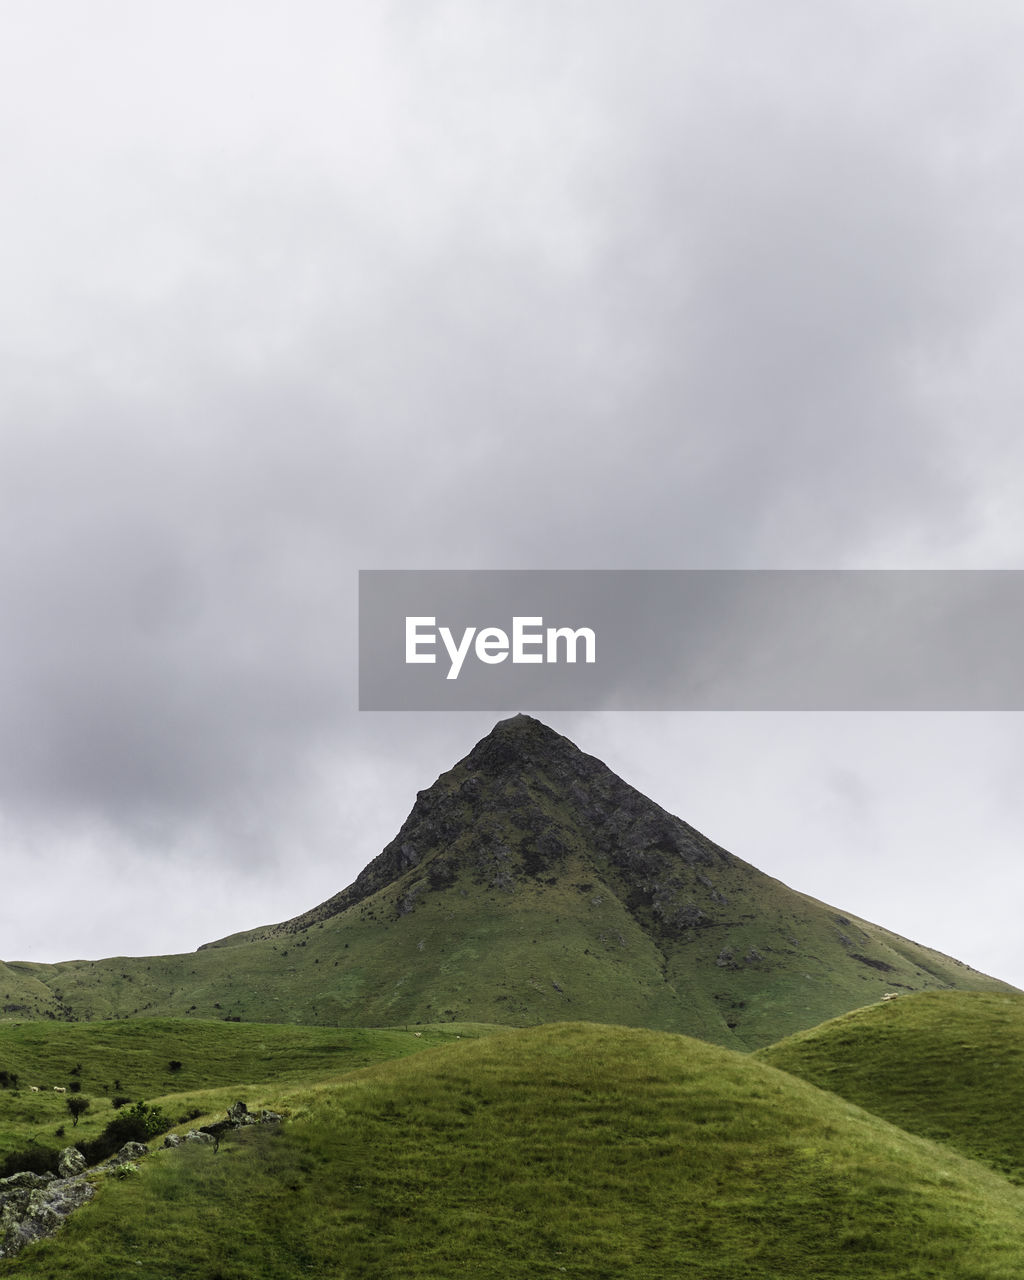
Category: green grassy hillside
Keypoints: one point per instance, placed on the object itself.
(567, 1150)
(947, 1065)
(25, 992)
(142, 1059)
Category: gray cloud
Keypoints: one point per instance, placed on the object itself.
(291, 291)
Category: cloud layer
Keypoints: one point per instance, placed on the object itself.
(296, 290)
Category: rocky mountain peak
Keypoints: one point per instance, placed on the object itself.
(518, 742)
(520, 807)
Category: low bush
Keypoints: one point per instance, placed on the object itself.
(138, 1124)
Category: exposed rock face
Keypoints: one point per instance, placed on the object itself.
(72, 1162)
(130, 1151)
(35, 1205)
(17, 1181)
(555, 796)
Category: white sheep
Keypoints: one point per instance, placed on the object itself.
(59, 1088)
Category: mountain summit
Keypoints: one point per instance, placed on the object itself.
(531, 884)
(512, 813)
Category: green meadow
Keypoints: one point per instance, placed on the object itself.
(175, 1060)
(947, 1065)
(562, 1150)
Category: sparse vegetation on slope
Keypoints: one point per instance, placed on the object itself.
(120, 1062)
(567, 1150)
(947, 1065)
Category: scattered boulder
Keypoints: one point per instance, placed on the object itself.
(18, 1180)
(238, 1113)
(71, 1162)
(130, 1151)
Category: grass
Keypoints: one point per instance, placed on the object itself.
(946, 1065)
(568, 1150)
(132, 1058)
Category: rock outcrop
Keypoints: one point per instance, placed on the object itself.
(34, 1205)
(238, 1115)
(71, 1163)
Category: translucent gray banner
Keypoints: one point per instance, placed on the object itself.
(691, 640)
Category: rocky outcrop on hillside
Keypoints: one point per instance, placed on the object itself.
(239, 1115)
(34, 1205)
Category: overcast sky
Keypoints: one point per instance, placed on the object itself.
(290, 290)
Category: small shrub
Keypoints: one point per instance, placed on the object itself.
(138, 1124)
(78, 1104)
(75, 1086)
(8, 1079)
(119, 1100)
(174, 1065)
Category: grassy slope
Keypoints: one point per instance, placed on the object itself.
(567, 1150)
(132, 1058)
(947, 1065)
(25, 992)
(546, 951)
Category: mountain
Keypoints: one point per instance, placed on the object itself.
(529, 884)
